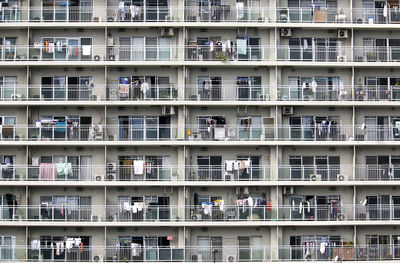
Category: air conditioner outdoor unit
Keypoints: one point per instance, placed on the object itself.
(96, 19)
(286, 32)
(287, 110)
(196, 217)
(168, 110)
(341, 58)
(111, 176)
(97, 258)
(99, 177)
(343, 33)
(342, 177)
(167, 31)
(315, 177)
(111, 167)
(231, 258)
(197, 258)
(288, 190)
(242, 110)
(242, 190)
(16, 97)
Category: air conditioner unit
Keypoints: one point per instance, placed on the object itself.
(343, 33)
(341, 58)
(315, 177)
(167, 31)
(196, 217)
(286, 32)
(111, 176)
(111, 167)
(287, 110)
(97, 258)
(288, 190)
(99, 177)
(96, 19)
(167, 110)
(95, 97)
(242, 110)
(96, 58)
(168, 189)
(231, 258)
(197, 258)
(35, 161)
(242, 190)
(110, 41)
(342, 177)
(16, 97)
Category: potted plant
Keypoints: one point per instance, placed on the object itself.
(371, 56)
(221, 57)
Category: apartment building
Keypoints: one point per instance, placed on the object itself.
(199, 131)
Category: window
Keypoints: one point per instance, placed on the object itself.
(144, 128)
(155, 168)
(65, 87)
(249, 88)
(302, 167)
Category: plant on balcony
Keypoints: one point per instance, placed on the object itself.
(371, 56)
(221, 57)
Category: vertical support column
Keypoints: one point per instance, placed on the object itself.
(26, 163)
(354, 201)
(182, 32)
(354, 168)
(353, 84)
(181, 211)
(181, 83)
(27, 82)
(181, 163)
(105, 130)
(353, 122)
(105, 83)
(105, 162)
(276, 239)
(181, 127)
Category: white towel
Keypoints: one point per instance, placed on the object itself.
(236, 165)
(138, 166)
(229, 166)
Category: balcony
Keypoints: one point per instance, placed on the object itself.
(220, 13)
(61, 131)
(195, 173)
(206, 212)
(197, 93)
(99, 53)
(283, 253)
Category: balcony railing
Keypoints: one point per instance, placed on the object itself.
(215, 173)
(221, 13)
(98, 53)
(125, 253)
(61, 131)
(191, 92)
(206, 212)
